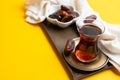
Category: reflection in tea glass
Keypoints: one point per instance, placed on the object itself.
(87, 50)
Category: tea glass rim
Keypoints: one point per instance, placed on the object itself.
(95, 23)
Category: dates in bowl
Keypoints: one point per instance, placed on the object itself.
(62, 15)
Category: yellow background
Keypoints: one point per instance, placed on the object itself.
(25, 51)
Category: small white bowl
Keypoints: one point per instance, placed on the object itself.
(54, 9)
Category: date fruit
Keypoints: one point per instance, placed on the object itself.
(62, 13)
(67, 18)
(56, 16)
(69, 48)
(64, 8)
(94, 17)
(90, 19)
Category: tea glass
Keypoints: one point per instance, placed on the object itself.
(87, 49)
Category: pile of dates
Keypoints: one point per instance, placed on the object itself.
(64, 14)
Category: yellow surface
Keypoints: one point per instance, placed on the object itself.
(109, 10)
(26, 53)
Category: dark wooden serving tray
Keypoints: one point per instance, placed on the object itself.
(58, 37)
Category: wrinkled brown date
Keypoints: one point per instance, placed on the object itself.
(90, 19)
(56, 16)
(67, 18)
(62, 13)
(69, 48)
(64, 8)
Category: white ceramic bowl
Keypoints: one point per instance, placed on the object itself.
(54, 9)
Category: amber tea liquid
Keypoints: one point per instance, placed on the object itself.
(87, 50)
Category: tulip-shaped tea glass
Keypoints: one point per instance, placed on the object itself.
(87, 49)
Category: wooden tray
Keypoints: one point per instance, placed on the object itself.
(58, 38)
